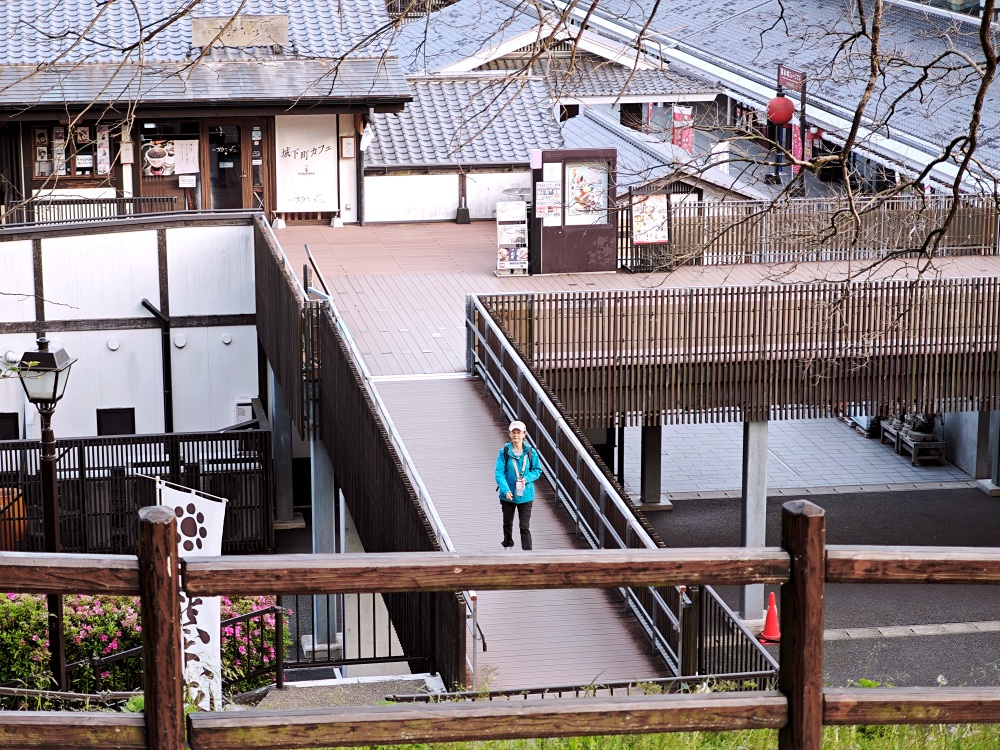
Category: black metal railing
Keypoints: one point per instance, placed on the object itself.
(337, 630)
(52, 210)
(103, 481)
(122, 670)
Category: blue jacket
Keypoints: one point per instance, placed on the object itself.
(527, 464)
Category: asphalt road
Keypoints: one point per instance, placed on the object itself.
(961, 518)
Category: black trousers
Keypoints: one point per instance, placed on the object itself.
(523, 511)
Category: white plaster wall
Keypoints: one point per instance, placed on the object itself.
(99, 276)
(69, 193)
(209, 375)
(210, 270)
(12, 397)
(426, 197)
(130, 377)
(17, 282)
(349, 173)
(485, 189)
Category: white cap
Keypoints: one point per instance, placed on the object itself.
(516, 425)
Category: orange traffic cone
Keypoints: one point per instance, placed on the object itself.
(771, 633)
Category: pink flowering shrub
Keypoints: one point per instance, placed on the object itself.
(248, 645)
(105, 625)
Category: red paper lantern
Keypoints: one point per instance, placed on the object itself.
(780, 110)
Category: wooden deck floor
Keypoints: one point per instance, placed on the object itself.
(552, 637)
(402, 287)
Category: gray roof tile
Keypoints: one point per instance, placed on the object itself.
(467, 120)
(464, 28)
(591, 76)
(749, 38)
(39, 31)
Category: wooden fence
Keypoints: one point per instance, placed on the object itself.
(798, 708)
(60, 210)
(767, 352)
(813, 229)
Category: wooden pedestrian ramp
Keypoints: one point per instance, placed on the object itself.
(453, 432)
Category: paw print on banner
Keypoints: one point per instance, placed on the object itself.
(191, 527)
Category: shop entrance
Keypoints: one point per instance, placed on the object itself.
(226, 174)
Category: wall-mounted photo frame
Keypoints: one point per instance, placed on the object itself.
(348, 146)
(41, 137)
(43, 169)
(59, 134)
(82, 134)
(41, 153)
(128, 152)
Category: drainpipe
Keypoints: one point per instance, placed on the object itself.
(168, 396)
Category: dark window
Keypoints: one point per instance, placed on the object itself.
(116, 421)
(631, 115)
(567, 111)
(10, 426)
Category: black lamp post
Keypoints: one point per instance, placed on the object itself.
(43, 375)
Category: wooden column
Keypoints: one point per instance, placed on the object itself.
(163, 670)
(803, 536)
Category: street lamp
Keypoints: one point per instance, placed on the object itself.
(43, 375)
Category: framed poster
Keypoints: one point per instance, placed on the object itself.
(651, 218)
(59, 134)
(41, 153)
(41, 137)
(43, 168)
(82, 134)
(347, 144)
(587, 193)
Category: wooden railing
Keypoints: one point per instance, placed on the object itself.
(798, 708)
(812, 229)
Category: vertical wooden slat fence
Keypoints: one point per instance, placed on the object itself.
(814, 229)
(42, 210)
(767, 352)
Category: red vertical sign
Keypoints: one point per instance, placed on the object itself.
(683, 134)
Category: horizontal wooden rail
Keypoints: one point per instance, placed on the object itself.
(46, 573)
(393, 572)
(921, 705)
(447, 722)
(868, 564)
(58, 730)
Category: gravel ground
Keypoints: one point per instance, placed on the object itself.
(343, 694)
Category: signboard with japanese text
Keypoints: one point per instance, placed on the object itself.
(306, 163)
(586, 193)
(683, 131)
(791, 79)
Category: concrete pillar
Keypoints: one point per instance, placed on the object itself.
(325, 531)
(995, 448)
(650, 460)
(754, 517)
(281, 448)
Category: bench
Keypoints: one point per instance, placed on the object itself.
(920, 450)
(890, 433)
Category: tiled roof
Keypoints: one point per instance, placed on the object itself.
(750, 38)
(272, 82)
(643, 158)
(459, 31)
(591, 76)
(41, 31)
(468, 120)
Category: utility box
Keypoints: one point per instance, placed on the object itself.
(244, 410)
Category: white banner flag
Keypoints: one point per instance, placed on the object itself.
(199, 534)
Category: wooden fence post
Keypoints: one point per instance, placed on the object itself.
(803, 536)
(163, 671)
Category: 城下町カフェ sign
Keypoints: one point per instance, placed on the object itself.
(306, 163)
